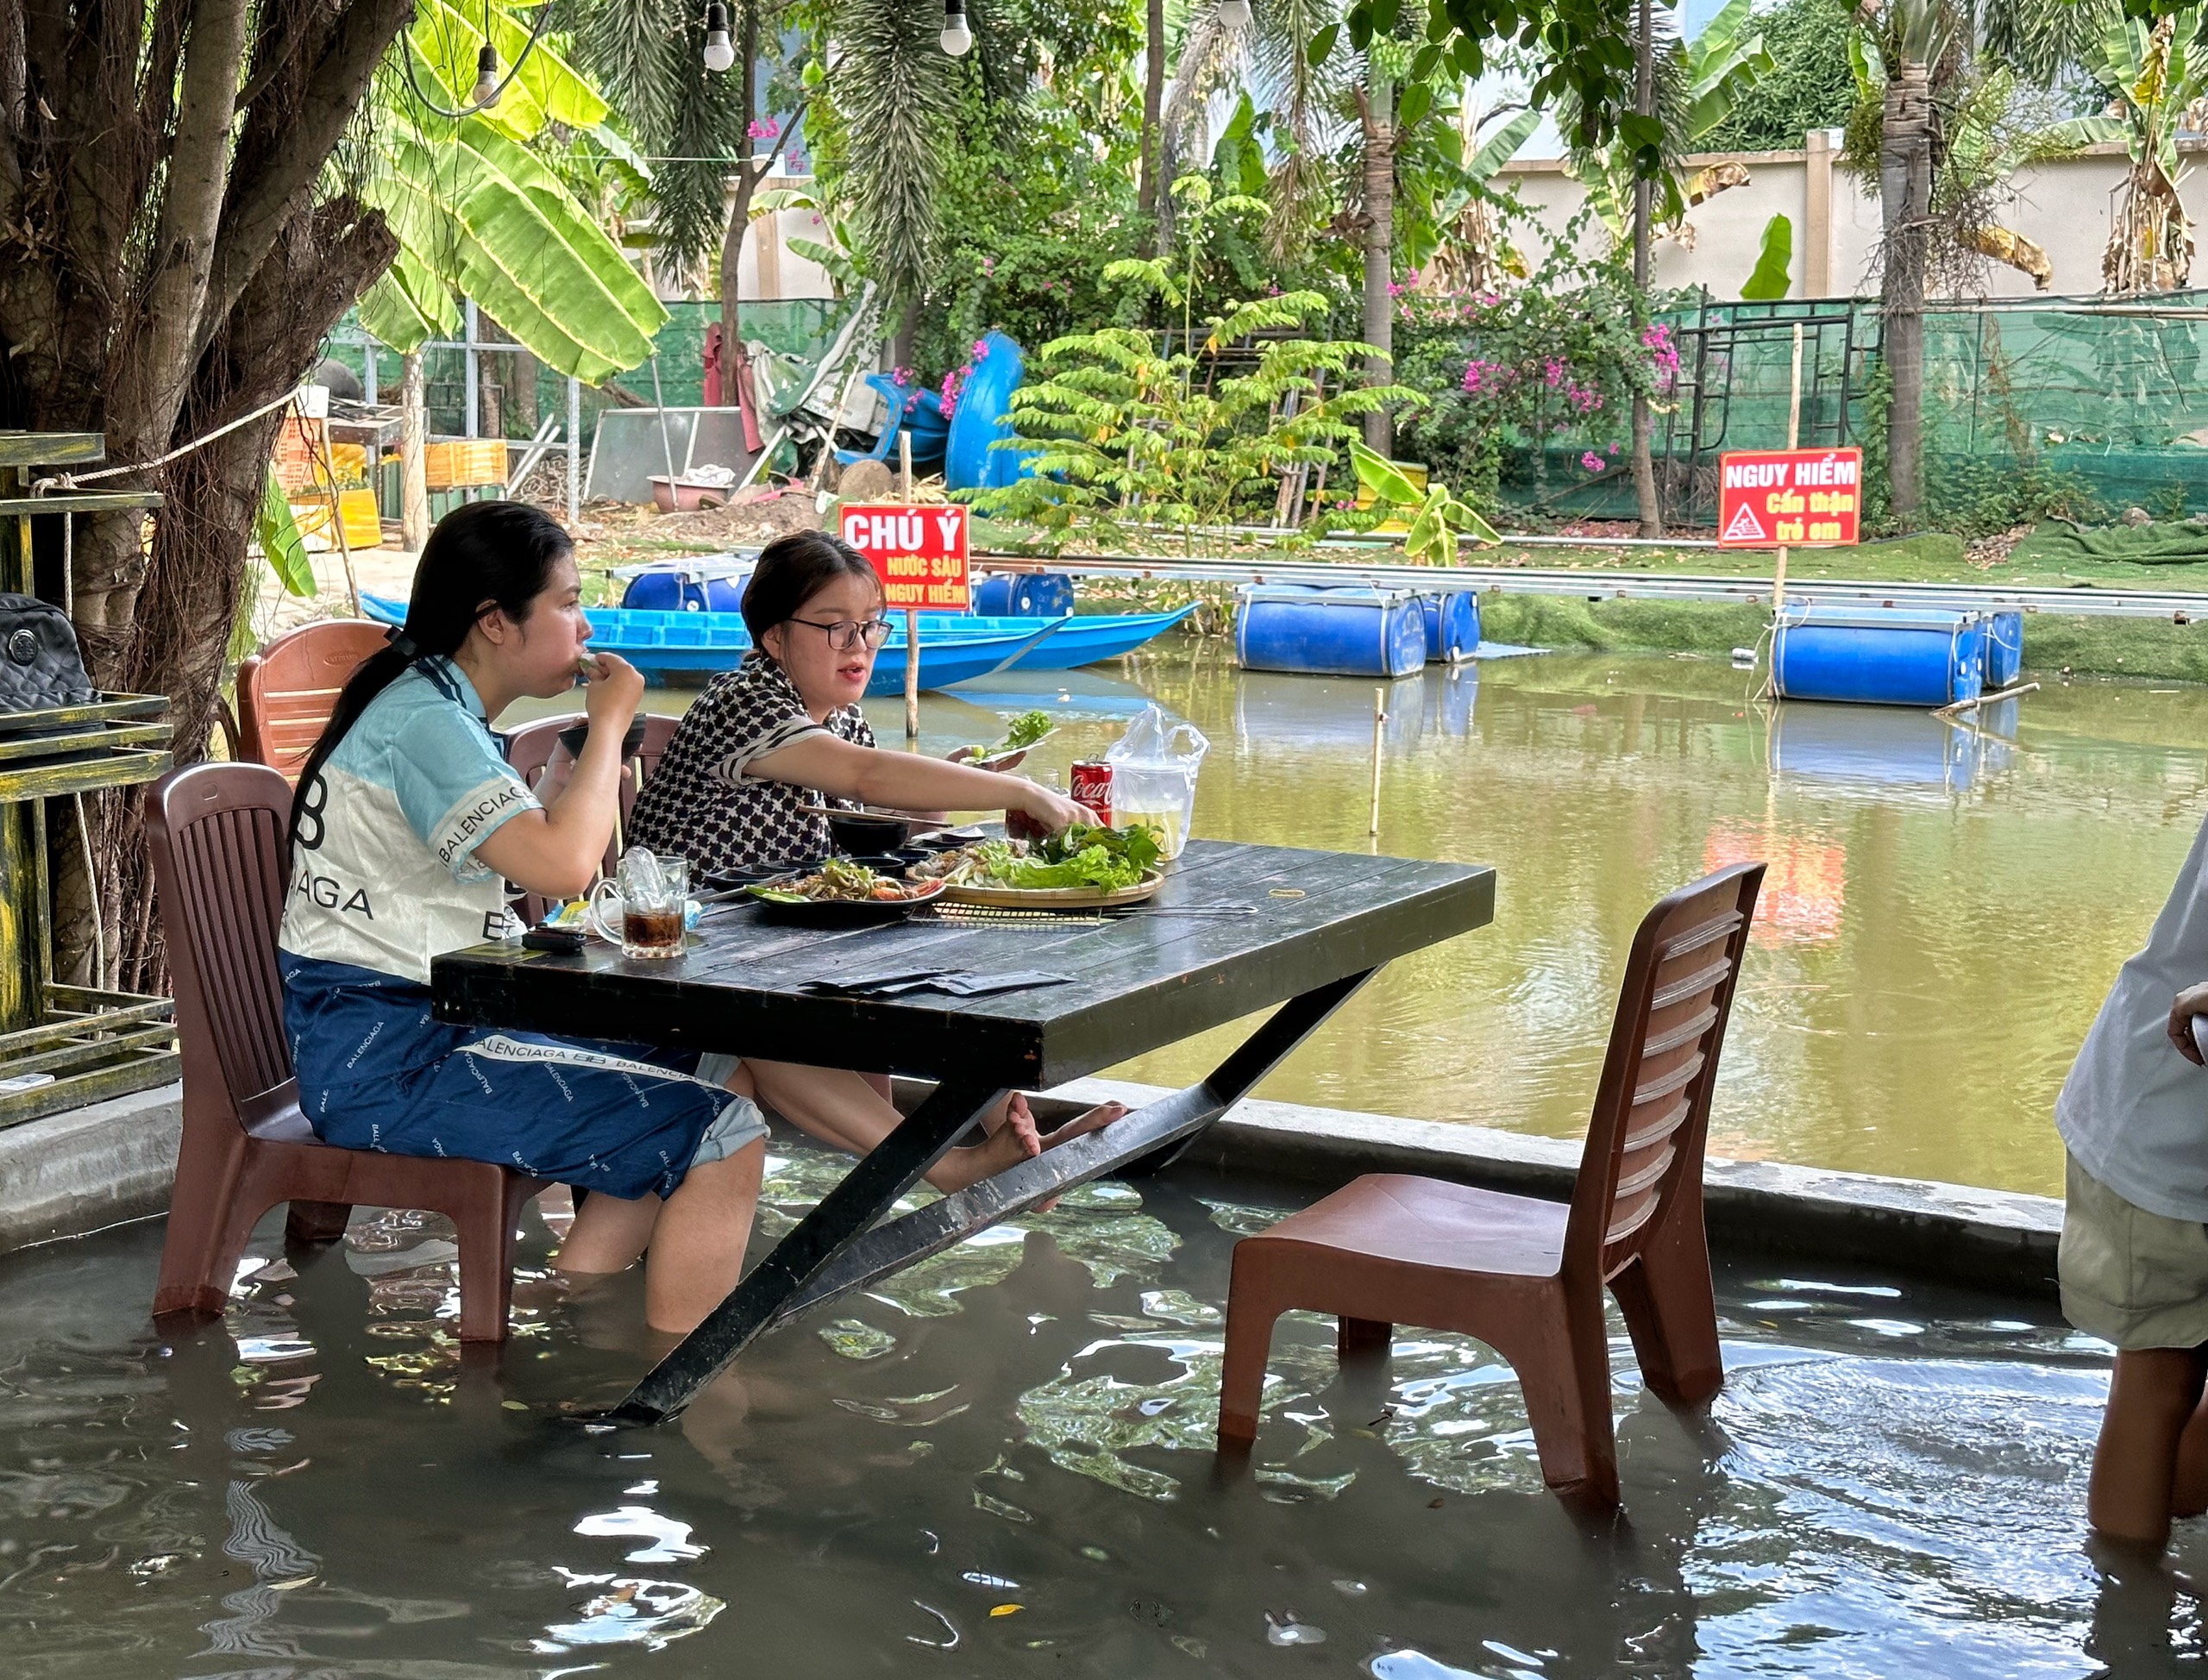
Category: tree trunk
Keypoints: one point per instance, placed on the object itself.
(1905, 202)
(739, 215)
(186, 593)
(413, 460)
(1153, 105)
(1378, 103)
(1644, 468)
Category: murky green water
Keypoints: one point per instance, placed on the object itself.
(1944, 913)
(1001, 1464)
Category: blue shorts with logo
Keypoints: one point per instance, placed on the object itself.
(377, 1070)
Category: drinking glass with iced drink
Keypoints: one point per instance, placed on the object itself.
(650, 895)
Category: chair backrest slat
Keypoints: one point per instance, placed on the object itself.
(1645, 1141)
(217, 836)
(288, 690)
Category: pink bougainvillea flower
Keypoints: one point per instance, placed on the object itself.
(1591, 461)
(763, 127)
(981, 348)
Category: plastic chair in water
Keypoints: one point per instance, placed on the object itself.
(1527, 1276)
(287, 691)
(216, 832)
(543, 756)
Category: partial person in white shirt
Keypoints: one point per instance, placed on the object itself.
(2134, 1255)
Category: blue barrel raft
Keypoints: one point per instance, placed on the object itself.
(1878, 656)
(1352, 631)
(709, 584)
(1452, 624)
(2004, 649)
(1024, 595)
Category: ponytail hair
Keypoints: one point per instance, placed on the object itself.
(482, 557)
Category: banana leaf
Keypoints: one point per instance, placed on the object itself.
(277, 534)
(541, 269)
(1772, 279)
(409, 305)
(546, 88)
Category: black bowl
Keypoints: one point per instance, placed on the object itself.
(869, 836)
(948, 839)
(575, 735)
(887, 864)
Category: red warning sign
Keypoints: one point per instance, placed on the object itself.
(1790, 499)
(918, 553)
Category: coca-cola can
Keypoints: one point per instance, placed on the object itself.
(1092, 787)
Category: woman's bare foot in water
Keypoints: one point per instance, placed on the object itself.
(1014, 1115)
(1007, 1147)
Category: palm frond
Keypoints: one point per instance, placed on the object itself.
(895, 93)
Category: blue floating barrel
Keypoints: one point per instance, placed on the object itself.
(699, 586)
(1345, 632)
(1878, 656)
(2004, 649)
(1452, 624)
(1024, 595)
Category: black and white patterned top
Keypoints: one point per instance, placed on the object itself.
(701, 803)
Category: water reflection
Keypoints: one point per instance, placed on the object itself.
(1947, 905)
(1032, 1470)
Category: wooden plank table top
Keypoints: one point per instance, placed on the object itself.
(1141, 981)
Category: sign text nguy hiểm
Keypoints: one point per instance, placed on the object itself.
(1776, 498)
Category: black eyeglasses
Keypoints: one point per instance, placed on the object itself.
(845, 634)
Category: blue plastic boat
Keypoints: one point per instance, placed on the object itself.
(1080, 641)
(954, 648)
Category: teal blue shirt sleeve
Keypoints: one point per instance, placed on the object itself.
(455, 788)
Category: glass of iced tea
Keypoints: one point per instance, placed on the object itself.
(649, 895)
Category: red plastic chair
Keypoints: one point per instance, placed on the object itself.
(216, 832)
(544, 761)
(1527, 1276)
(287, 691)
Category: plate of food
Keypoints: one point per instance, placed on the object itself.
(841, 893)
(1083, 868)
(1022, 735)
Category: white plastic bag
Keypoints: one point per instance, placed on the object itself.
(1154, 768)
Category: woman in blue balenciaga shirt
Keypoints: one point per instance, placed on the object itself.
(406, 825)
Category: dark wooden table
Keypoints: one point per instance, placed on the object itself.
(1302, 929)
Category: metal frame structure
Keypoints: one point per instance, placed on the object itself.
(63, 1046)
(1697, 426)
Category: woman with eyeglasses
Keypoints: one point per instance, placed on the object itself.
(783, 731)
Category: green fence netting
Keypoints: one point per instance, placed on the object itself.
(2110, 394)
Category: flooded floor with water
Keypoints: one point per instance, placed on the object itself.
(1945, 909)
(999, 1464)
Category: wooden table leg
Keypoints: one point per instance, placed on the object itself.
(867, 1192)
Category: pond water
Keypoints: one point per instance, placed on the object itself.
(1945, 910)
(999, 1464)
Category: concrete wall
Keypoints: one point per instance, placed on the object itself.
(2064, 206)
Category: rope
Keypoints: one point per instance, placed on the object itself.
(67, 481)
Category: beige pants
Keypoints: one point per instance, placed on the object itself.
(2137, 1279)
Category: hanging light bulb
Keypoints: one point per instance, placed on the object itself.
(956, 39)
(486, 78)
(719, 54)
(1234, 14)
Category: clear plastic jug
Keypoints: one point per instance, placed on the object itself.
(1154, 768)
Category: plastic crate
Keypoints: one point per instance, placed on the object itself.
(470, 461)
